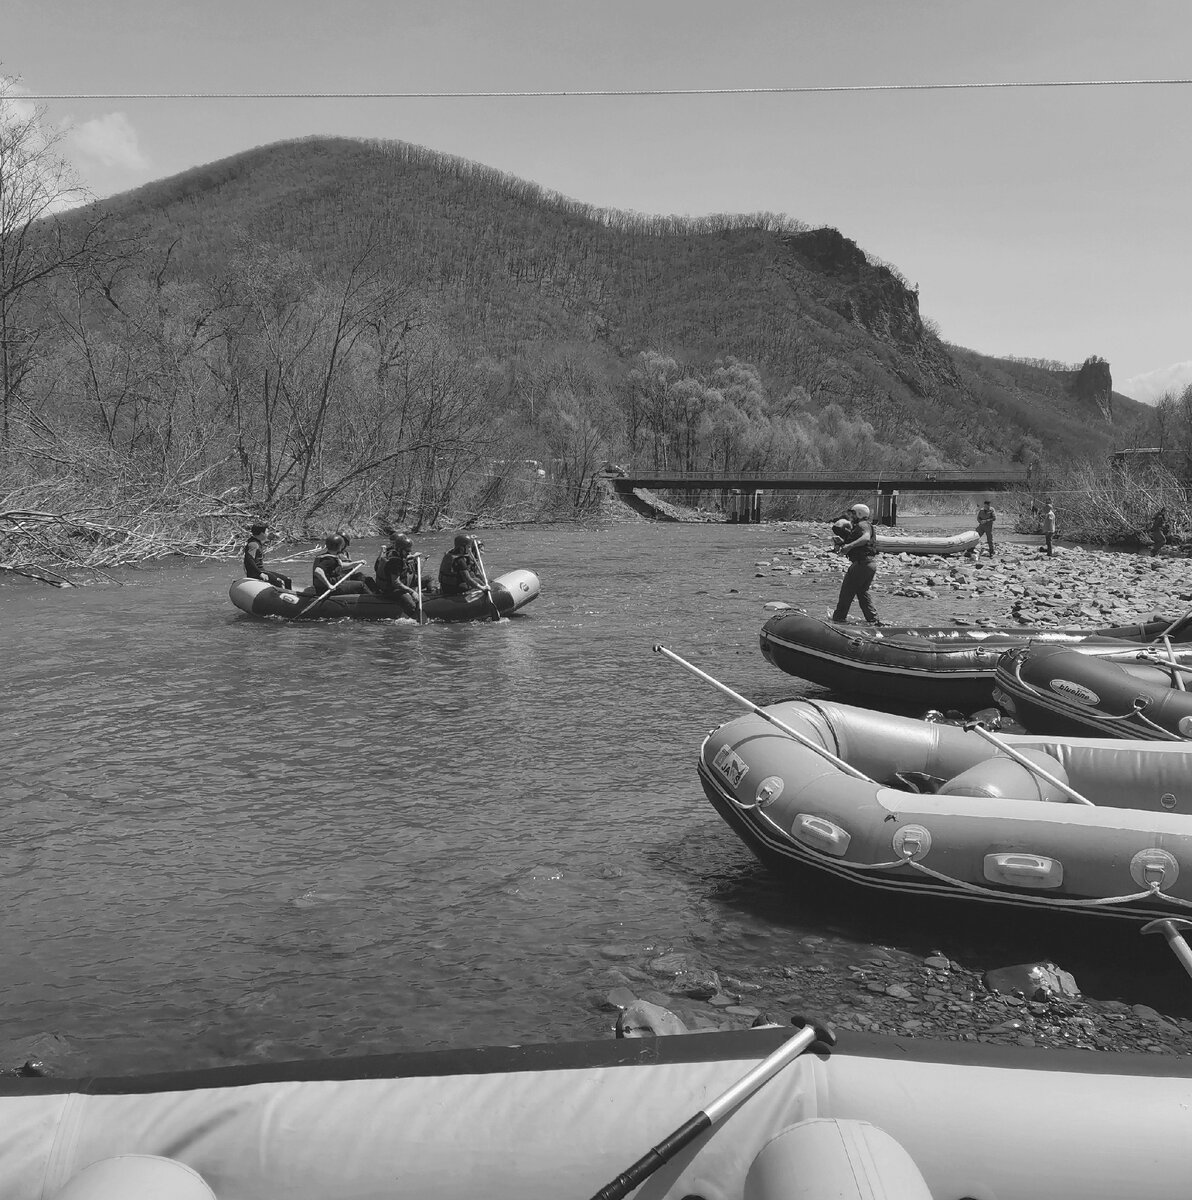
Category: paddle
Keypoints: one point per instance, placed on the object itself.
(1175, 625)
(1170, 928)
(418, 564)
(1006, 748)
(707, 1117)
(761, 712)
(483, 575)
(338, 583)
(1175, 673)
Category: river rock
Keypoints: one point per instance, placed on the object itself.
(1035, 981)
(696, 985)
(643, 1019)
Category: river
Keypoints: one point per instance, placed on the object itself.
(226, 839)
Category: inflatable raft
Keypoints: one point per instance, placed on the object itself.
(955, 543)
(1049, 690)
(889, 803)
(510, 592)
(869, 1117)
(945, 667)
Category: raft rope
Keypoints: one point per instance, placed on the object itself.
(1141, 703)
(1152, 892)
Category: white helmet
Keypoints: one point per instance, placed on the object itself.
(860, 510)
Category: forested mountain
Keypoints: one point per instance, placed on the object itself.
(328, 314)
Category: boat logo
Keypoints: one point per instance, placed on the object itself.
(730, 765)
(288, 598)
(1074, 691)
(525, 587)
(1184, 728)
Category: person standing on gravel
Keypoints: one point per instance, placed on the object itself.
(1049, 525)
(985, 519)
(1160, 531)
(860, 547)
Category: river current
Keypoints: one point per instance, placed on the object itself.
(227, 839)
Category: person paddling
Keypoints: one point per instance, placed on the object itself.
(331, 566)
(254, 559)
(396, 572)
(458, 570)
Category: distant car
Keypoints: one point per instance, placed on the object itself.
(611, 468)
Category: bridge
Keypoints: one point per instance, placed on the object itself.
(743, 491)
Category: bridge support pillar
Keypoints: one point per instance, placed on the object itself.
(887, 507)
(743, 508)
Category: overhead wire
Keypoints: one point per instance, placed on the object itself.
(800, 89)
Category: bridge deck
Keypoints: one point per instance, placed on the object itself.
(885, 483)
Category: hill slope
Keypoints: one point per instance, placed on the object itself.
(514, 272)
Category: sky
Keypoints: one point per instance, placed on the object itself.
(1048, 223)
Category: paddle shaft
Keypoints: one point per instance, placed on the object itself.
(1006, 748)
(1176, 624)
(487, 588)
(1175, 672)
(1170, 928)
(802, 739)
(707, 1117)
(418, 563)
(341, 580)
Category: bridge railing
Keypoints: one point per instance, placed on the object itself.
(866, 478)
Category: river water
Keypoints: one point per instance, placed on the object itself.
(227, 839)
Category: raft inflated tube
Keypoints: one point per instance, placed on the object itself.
(521, 585)
(843, 1159)
(1001, 776)
(136, 1177)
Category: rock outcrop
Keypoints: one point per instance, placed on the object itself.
(1093, 385)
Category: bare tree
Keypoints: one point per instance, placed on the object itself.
(36, 186)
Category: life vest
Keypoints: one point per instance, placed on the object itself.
(449, 584)
(331, 565)
(254, 559)
(868, 549)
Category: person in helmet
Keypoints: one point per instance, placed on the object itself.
(397, 572)
(331, 565)
(459, 572)
(254, 559)
(860, 548)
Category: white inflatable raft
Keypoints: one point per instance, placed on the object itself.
(873, 1116)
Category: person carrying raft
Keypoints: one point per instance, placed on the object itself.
(859, 546)
(459, 572)
(254, 559)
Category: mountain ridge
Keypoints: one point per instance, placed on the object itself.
(511, 269)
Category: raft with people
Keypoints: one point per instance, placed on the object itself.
(508, 593)
(833, 795)
(398, 588)
(1142, 694)
(774, 1113)
(941, 666)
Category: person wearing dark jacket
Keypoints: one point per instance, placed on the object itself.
(986, 515)
(860, 548)
(331, 566)
(254, 559)
(1160, 531)
(459, 571)
(397, 572)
